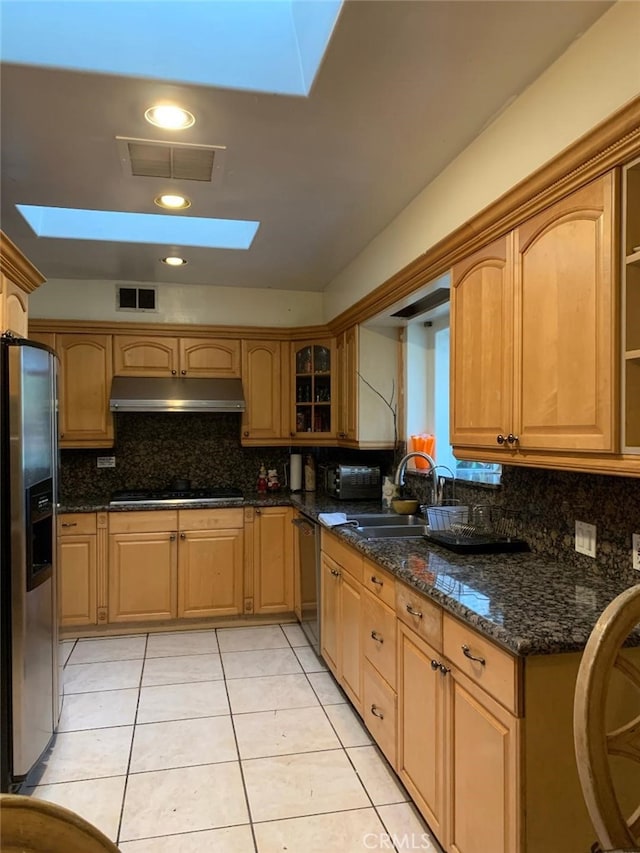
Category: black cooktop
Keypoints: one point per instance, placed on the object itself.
(210, 495)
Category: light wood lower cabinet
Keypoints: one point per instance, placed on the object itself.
(210, 573)
(273, 538)
(143, 570)
(82, 569)
(341, 615)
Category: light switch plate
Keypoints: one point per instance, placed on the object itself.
(635, 547)
(586, 538)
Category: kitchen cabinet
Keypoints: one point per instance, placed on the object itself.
(210, 555)
(273, 549)
(84, 385)
(168, 564)
(523, 380)
(143, 566)
(18, 278)
(265, 372)
(315, 392)
(341, 615)
(631, 309)
(368, 360)
(77, 569)
(136, 355)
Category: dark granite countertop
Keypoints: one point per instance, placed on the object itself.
(527, 604)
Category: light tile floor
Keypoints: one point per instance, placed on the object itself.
(230, 741)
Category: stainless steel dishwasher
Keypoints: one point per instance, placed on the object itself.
(309, 578)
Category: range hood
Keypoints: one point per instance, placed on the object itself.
(175, 394)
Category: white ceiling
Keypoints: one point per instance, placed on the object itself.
(404, 87)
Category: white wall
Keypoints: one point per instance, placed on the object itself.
(178, 303)
(596, 76)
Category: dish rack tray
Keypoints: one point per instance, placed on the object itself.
(475, 530)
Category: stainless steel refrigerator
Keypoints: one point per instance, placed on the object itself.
(29, 676)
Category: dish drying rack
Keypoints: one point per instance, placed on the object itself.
(482, 528)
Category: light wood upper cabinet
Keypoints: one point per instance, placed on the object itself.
(315, 392)
(368, 361)
(84, 376)
(135, 355)
(265, 371)
(18, 278)
(533, 333)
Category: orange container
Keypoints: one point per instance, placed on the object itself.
(427, 444)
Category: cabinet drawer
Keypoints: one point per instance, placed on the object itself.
(343, 554)
(380, 583)
(497, 672)
(211, 519)
(379, 637)
(380, 712)
(73, 523)
(424, 616)
(151, 521)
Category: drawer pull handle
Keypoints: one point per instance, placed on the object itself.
(414, 612)
(69, 523)
(377, 713)
(466, 651)
(375, 636)
(376, 581)
(444, 669)
(335, 573)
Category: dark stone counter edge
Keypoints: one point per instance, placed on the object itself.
(522, 646)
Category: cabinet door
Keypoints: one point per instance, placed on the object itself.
(565, 323)
(350, 639)
(483, 744)
(13, 307)
(273, 560)
(482, 346)
(330, 576)
(315, 391)
(142, 576)
(84, 386)
(77, 566)
(210, 573)
(265, 391)
(145, 356)
(421, 717)
(207, 357)
(347, 373)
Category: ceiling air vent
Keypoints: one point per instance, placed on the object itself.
(181, 161)
(142, 299)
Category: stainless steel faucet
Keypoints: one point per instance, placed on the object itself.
(399, 479)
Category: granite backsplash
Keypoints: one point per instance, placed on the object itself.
(151, 450)
(548, 503)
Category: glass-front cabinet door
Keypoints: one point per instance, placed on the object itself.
(314, 390)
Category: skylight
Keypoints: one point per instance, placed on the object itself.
(110, 225)
(262, 45)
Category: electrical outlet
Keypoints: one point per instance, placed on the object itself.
(635, 547)
(586, 538)
(106, 462)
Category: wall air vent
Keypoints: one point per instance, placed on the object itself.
(141, 299)
(421, 306)
(170, 160)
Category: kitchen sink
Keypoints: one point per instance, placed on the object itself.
(387, 520)
(390, 531)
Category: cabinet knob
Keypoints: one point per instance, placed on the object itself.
(183, 372)
(414, 612)
(435, 665)
(512, 439)
(335, 573)
(258, 512)
(501, 439)
(444, 669)
(172, 537)
(173, 372)
(342, 435)
(183, 535)
(246, 433)
(69, 524)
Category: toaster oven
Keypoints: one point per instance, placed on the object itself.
(353, 482)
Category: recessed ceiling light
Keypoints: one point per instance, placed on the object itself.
(173, 261)
(172, 201)
(170, 117)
